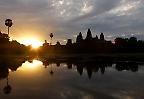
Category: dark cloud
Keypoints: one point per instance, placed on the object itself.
(68, 17)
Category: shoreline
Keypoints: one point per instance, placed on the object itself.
(83, 57)
(97, 57)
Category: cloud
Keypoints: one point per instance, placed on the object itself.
(68, 17)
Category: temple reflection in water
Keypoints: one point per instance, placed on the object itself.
(8, 64)
(95, 66)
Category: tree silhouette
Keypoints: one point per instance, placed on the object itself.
(8, 23)
(51, 36)
(58, 43)
(133, 40)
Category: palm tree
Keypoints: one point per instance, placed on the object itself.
(8, 23)
(51, 36)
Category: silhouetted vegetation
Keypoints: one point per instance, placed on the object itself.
(81, 46)
(97, 65)
(11, 47)
(94, 45)
(8, 64)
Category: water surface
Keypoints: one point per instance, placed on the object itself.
(47, 79)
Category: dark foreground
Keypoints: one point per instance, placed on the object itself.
(52, 77)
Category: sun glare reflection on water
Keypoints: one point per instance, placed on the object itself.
(33, 66)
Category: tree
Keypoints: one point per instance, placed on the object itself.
(120, 41)
(51, 36)
(58, 43)
(8, 23)
(132, 40)
(132, 43)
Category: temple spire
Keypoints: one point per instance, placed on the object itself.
(89, 35)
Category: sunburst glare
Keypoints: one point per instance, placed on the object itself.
(33, 42)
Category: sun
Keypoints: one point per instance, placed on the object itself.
(35, 43)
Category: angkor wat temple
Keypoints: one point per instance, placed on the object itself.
(95, 45)
(88, 45)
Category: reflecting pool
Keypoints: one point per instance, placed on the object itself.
(39, 78)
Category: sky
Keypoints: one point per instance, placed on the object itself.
(36, 19)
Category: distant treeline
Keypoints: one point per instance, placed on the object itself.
(11, 47)
(82, 45)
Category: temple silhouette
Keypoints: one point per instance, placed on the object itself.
(94, 45)
(87, 45)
